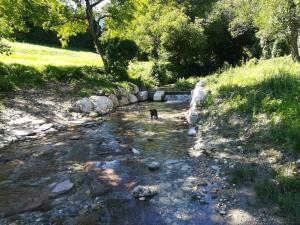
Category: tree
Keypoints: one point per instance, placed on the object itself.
(274, 19)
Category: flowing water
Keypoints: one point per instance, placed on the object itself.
(99, 162)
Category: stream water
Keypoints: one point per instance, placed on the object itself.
(100, 170)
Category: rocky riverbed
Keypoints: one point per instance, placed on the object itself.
(124, 169)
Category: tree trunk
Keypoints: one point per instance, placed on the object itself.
(96, 32)
(293, 30)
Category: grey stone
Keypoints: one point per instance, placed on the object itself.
(83, 105)
(101, 104)
(144, 191)
(142, 96)
(159, 96)
(132, 98)
(62, 187)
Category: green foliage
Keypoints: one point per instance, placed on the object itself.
(118, 54)
(285, 192)
(162, 73)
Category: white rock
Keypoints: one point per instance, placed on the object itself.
(124, 101)
(135, 151)
(101, 104)
(132, 98)
(45, 127)
(144, 191)
(192, 132)
(62, 187)
(142, 96)
(23, 133)
(83, 105)
(159, 96)
(198, 94)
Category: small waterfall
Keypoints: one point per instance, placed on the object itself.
(177, 98)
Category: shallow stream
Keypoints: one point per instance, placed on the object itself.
(98, 161)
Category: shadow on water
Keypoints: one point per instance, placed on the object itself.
(100, 164)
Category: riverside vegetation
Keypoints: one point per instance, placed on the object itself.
(247, 142)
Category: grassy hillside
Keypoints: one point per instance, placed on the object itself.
(260, 103)
(31, 66)
(37, 55)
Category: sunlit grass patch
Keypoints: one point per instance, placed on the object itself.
(38, 56)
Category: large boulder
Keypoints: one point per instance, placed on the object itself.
(198, 94)
(102, 104)
(159, 96)
(83, 105)
(120, 91)
(114, 100)
(134, 89)
(142, 96)
(123, 100)
(132, 98)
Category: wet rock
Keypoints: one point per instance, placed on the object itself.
(142, 96)
(217, 168)
(153, 166)
(132, 98)
(192, 132)
(75, 137)
(102, 104)
(144, 191)
(159, 96)
(83, 105)
(62, 187)
(135, 151)
(222, 212)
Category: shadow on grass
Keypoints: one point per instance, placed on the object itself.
(278, 98)
(260, 117)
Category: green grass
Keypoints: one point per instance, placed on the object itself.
(266, 94)
(82, 74)
(38, 56)
(285, 192)
(267, 87)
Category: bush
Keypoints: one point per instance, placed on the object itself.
(162, 73)
(118, 54)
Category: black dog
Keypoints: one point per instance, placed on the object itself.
(153, 113)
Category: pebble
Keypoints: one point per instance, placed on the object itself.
(62, 187)
(135, 151)
(222, 212)
(153, 166)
